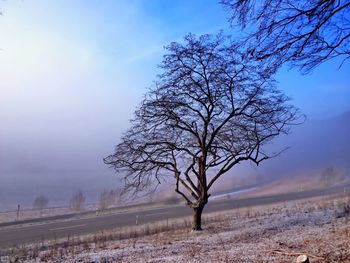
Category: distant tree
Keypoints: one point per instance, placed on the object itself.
(108, 198)
(305, 33)
(209, 111)
(329, 176)
(40, 203)
(102, 202)
(77, 201)
(116, 196)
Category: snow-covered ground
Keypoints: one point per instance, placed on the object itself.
(276, 233)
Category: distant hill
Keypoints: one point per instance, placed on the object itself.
(314, 146)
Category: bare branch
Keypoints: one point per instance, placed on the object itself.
(303, 33)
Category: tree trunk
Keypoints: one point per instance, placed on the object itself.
(197, 218)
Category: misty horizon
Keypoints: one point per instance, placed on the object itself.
(21, 186)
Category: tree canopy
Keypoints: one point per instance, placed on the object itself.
(304, 33)
(210, 109)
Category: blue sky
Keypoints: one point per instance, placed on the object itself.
(72, 73)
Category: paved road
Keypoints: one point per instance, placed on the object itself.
(16, 235)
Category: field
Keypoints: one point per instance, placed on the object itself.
(318, 227)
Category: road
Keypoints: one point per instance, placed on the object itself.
(18, 235)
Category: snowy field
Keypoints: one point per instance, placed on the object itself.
(317, 227)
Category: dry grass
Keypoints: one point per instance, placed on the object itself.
(319, 227)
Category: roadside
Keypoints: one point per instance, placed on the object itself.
(240, 198)
(34, 217)
(319, 227)
(64, 214)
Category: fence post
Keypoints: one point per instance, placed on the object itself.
(18, 209)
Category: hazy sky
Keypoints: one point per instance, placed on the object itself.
(72, 73)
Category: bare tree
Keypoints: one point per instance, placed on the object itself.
(40, 202)
(77, 201)
(108, 198)
(116, 196)
(209, 111)
(305, 33)
(330, 176)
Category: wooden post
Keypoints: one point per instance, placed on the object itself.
(302, 259)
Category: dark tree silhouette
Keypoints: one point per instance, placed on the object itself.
(304, 33)
(208, 111)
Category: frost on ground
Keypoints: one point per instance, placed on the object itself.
(279, 233)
